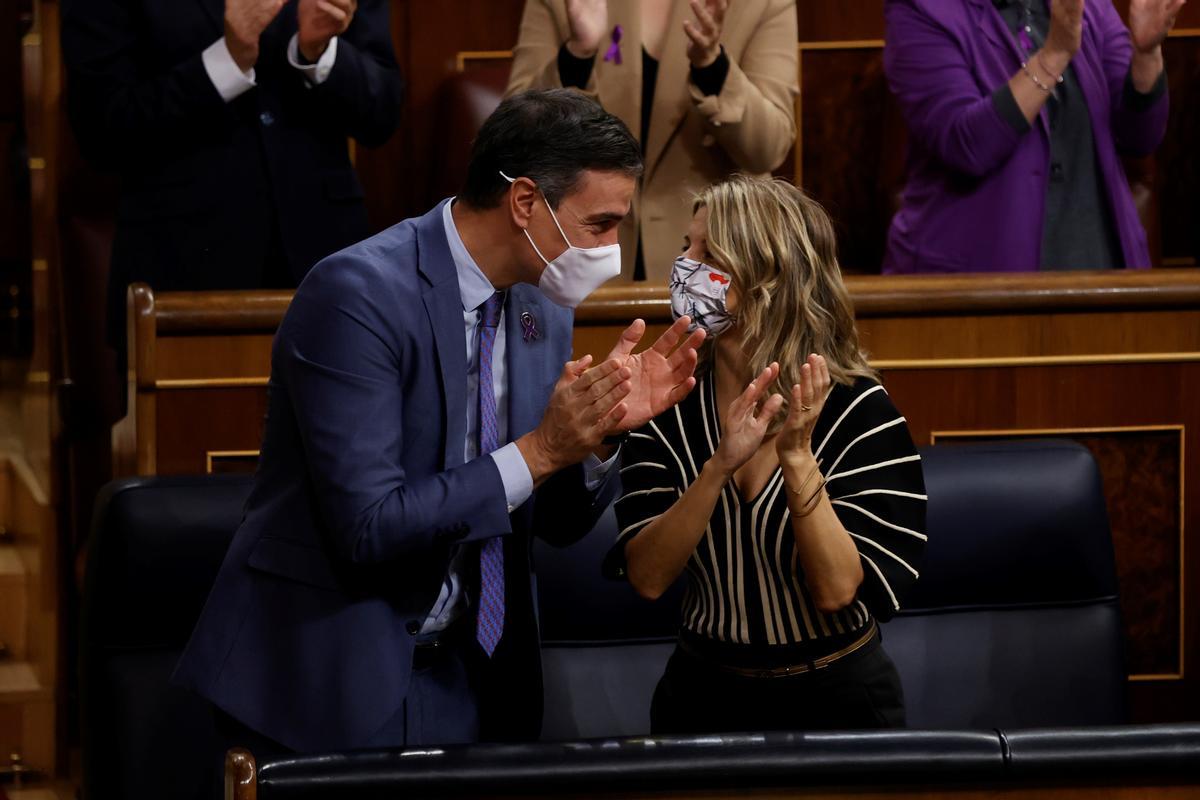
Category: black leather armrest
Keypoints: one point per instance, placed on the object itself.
(1110, 751)
(677, 763)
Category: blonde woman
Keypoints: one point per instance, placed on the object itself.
(786, 485)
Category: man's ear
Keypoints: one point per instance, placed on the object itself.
(523, 195)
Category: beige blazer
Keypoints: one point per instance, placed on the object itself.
(694, 140)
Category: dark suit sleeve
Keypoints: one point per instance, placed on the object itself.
(343, 364)
(564, 510)
(364, 89)
(117, 113)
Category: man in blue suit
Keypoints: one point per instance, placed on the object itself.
(422, 427)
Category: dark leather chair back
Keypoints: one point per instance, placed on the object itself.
(1014, 621)
(155, 549)
(603, 647)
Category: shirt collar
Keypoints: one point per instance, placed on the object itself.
(473, 285)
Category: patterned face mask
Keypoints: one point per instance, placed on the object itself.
(699, 291)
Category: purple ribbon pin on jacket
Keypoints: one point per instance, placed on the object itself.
(614, 49)
(529, 330)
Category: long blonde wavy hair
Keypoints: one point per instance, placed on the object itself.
(779, 246)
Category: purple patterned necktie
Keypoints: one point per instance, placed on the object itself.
(490, 625)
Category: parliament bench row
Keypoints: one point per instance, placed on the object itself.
(1014, 624)
(1162, 761)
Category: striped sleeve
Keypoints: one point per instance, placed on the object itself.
(648, 489)
(877, 488)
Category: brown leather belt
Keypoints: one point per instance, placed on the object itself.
(790, 669)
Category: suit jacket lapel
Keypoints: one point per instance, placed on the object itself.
(671, 98)
(443, 304)
(528, 359)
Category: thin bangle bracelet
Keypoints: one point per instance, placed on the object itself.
(816, 468)
(1057, 78)
(1037, 81)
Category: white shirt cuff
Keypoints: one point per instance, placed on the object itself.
(594, 472)
(514, 474)
(224, 72)
(314, 73)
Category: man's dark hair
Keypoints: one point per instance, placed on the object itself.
(549, 136)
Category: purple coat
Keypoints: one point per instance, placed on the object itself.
(975, 195)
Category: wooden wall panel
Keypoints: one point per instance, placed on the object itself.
(187, 449)
(839, 21)
(851, 152)
(1157, 569)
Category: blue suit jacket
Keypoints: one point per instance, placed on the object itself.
(361, 493)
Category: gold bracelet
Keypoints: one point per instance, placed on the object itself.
(807, 478)
(1037, 82)
(1042, 64)
(810, 505)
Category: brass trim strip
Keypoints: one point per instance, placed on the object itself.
(1181, 430)
(210, 383)
(41, 265)
(846, 44)
(37, 163)
(209, 455)
(985, 433)
(463, 56)
(882, 364)
(32, 40)
(1036, 361)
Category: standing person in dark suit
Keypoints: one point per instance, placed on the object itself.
(422, 429)
(228, 125)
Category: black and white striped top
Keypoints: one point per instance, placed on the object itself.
(744, 583)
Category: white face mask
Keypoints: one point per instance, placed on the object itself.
(699, 291)
(578, 271)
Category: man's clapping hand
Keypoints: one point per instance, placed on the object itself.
(245, 20)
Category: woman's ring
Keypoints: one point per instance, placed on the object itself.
(805, 408)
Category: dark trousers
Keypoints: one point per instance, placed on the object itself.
(860, 691)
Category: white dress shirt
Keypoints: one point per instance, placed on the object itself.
(231, 81)
(475, 289)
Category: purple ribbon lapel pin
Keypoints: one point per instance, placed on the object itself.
(529, 328)
(614, 49)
